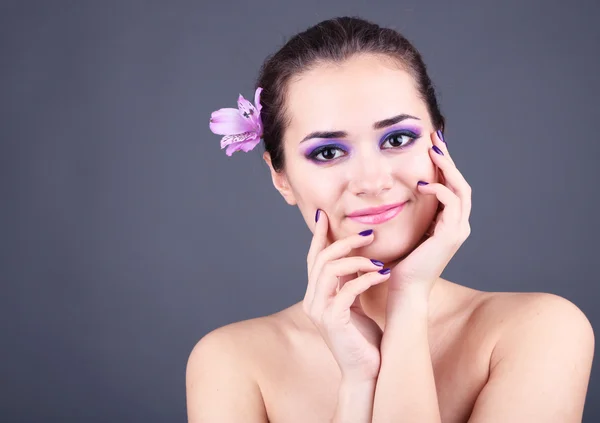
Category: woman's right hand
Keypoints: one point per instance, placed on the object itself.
(352, 336)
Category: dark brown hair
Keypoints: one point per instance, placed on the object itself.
(334, 40)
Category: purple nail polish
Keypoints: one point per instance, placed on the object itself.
(385, 271)
(377, 262)
(317, 215)
(422, 183)
(437, 150)
(366, 233)
(439, 134)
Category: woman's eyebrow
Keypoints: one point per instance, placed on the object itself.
(392, 121)
(376, 126)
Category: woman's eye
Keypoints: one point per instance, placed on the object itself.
(326, 154)
(399, 140)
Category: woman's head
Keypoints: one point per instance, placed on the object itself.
(333, 41)
(347, 113)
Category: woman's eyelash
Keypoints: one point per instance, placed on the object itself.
(325, 148)
(412, 137)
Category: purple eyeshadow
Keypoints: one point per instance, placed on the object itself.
(309, 149)
(412, 128)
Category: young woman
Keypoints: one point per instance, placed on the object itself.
(354, 138)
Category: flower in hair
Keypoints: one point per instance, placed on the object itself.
(242, 127)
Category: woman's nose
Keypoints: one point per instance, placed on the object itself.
(370, 176)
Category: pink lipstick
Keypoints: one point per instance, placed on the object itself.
(375, 215)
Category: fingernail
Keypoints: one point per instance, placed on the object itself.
(366, 233)
(377, 262)
(422, 183)
(437, 150)
(317, 215)
(439, 134)
(385, 271)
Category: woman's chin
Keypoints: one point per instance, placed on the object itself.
(388, 250)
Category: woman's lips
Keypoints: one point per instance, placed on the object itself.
(380, 217)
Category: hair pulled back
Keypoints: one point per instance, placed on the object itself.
(334, 40)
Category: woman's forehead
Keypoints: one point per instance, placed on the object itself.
(356, 93)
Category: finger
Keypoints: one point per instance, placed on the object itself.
(350, 292)
(321, 244)
(319, 239)
(356, 305)
(453, 178)
(452, 212)
(455, 223)
(327, 281)
(337, 250)
(318, 243)
(437, 139)
(343, 247)
(457, 180)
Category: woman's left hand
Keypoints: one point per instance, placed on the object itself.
(418, 272)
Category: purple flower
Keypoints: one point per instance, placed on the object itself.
(242, 127)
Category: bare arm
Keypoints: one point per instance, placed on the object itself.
(541, 368)
(405, 390)
(219, 387)
(355, 402)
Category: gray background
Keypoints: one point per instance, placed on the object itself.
(127, 234)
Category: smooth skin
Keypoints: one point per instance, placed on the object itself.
(406, 346)
(333, 305)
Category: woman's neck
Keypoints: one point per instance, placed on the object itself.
(374, 301)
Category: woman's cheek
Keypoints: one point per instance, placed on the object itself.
(312, 195)
(419, 168)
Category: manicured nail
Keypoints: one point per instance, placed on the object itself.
(377, 262)
(366, 233)
(385, 271)
(439, 134)
(317, 215)
(422, 183)
(437, 150)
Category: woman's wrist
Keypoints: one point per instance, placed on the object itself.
(355, 401)
(412, 300)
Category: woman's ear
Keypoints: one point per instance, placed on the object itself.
(280, 181)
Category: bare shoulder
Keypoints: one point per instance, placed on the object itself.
(515, 311)
(544, 328)
(240, 339)
(221, 380)
(541, 358)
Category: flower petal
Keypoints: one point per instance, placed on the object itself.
(257, 99)
(250, 144)
(232, 149)
(229, 121)
(244, 146)
(246, 142)
(245, 106)
(258, 119)
(249, 112)
(238, 138)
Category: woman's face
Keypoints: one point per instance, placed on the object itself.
(358, 138)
